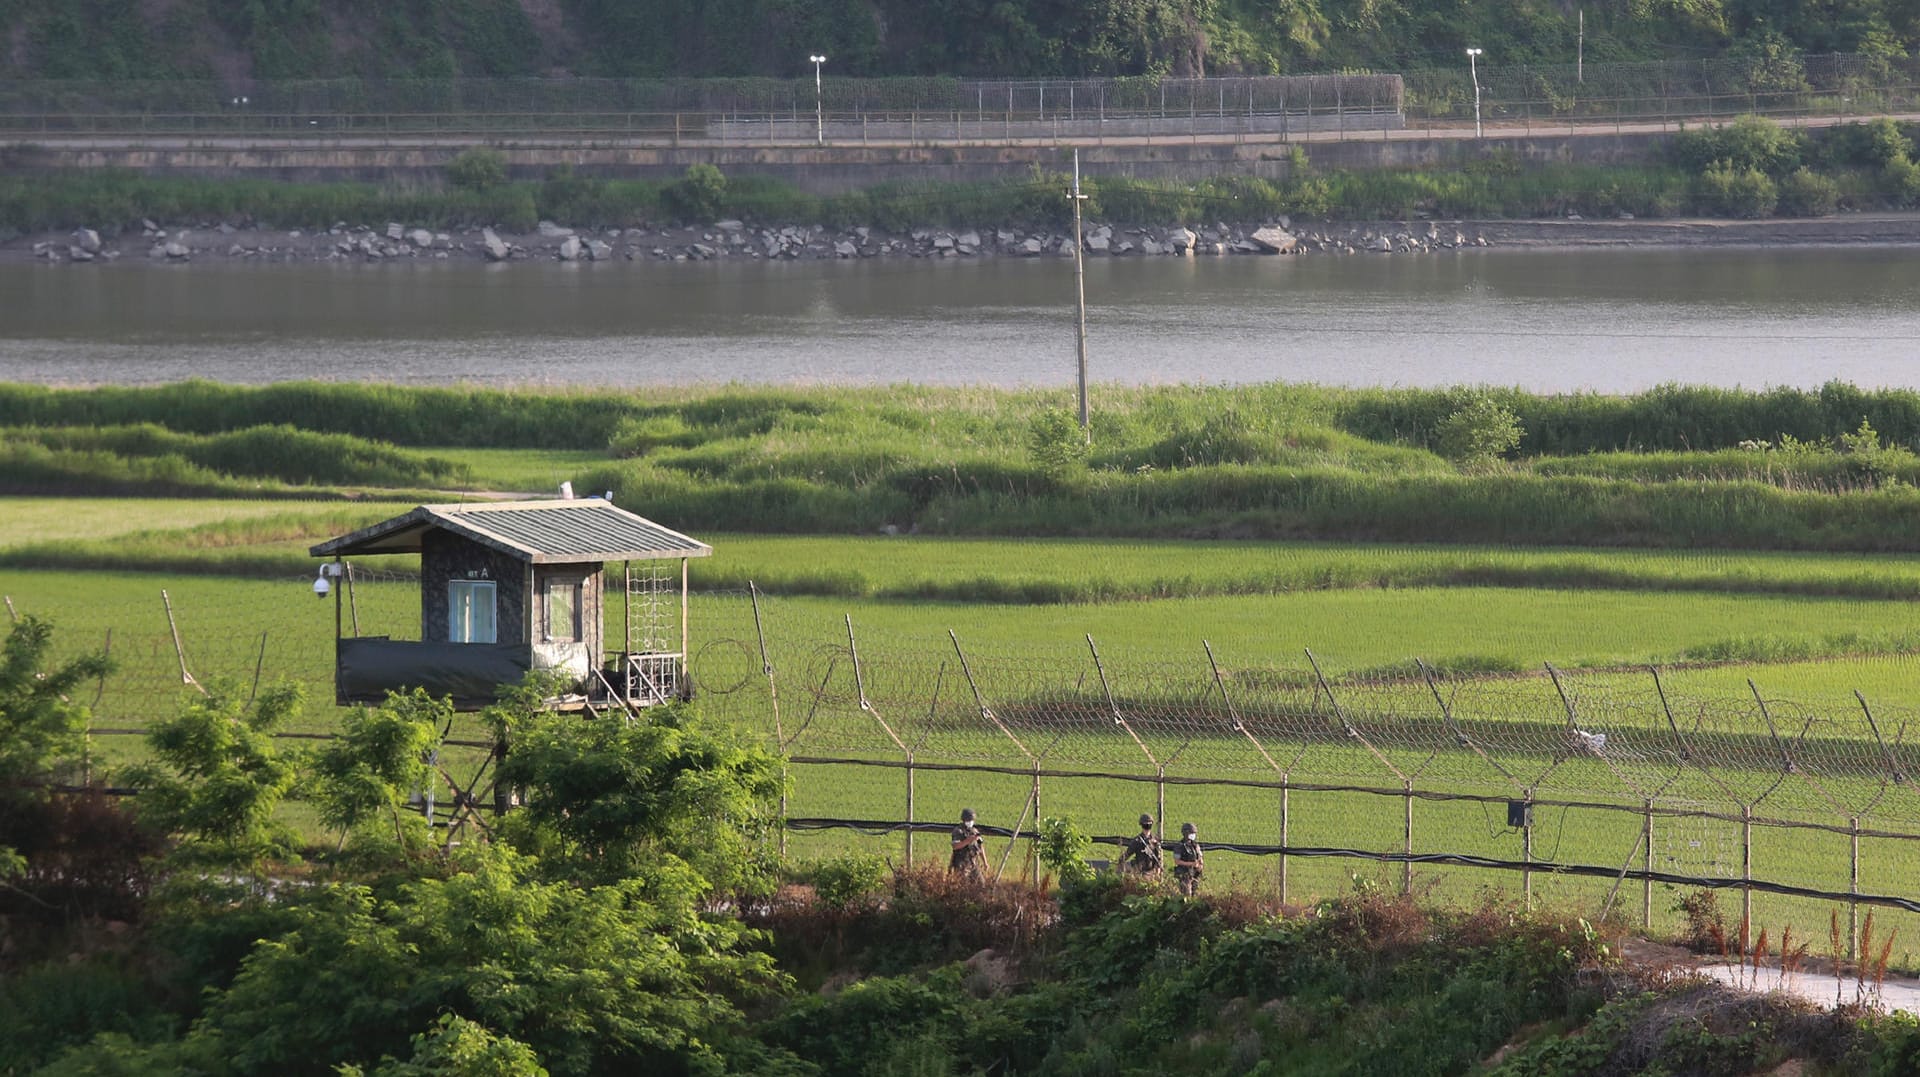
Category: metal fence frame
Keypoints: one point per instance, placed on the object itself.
(1522, 100)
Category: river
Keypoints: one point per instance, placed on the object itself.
(1548, 320)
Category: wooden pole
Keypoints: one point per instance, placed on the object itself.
(12, 614)
(909, 811)
(1080, 287)
(353, 601)
(683, 613)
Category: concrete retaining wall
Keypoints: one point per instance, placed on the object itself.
(834, 169)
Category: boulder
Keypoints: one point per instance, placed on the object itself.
(496, 250)
(1032, 247)
(701, 250)
(1124, 247)
(968, 239)
(552, 231)
(1275, 240)
(87, 240)
(728, 226)
(420, 237)
(79, 253)
(1097, 241)
(1381, 245)
(599, 250)
(943, 243)
(844, 249)
(570, 249)
(394, 231)
(1182, 240)
(1148, 246)
(177, 251)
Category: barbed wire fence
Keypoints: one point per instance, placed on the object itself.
(1512, 98)
(1589, 787)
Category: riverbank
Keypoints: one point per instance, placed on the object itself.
(734, 240)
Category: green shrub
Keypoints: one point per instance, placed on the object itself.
(1478, 432)
(477, 169)
(1063, 849)
(1747, 144)
(1055, 441)
(850, 880)
(1805, 193)
(698, 195)
(1737, 192)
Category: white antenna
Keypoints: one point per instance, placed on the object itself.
(1080, 284)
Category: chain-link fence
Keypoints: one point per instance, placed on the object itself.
(1511, 99)
(1608, 789)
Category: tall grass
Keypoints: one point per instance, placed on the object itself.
(281, 451)
(1157, 425)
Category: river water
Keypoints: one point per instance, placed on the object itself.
(1610, 320)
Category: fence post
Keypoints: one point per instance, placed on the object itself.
(1853, 887)
(1160, 798)
(1285, 798)
(909, 809)
(1646, 884)
(1746, 874)
(766, 667)
(1406, 872)
(1526, 849)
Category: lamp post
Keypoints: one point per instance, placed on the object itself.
(1473, 65)
(819, 123)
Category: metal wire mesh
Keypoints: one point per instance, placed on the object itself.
(1600, 782)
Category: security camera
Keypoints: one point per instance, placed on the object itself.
(320, 586)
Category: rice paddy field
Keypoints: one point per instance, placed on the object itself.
(1033, 665)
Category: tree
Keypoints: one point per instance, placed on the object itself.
(616, 798)
(216, 777)
(626, 977)
(39, 722)
(698, 195)
(477, 169)
(380, 758)
(1478, 432)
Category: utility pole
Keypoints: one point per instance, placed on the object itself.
(1580, 51)
(1080, 285)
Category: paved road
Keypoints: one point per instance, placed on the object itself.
(560, 139)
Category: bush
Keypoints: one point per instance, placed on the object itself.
(1806, 193)
(477, 169)
(1737, 192)
(1055, 441)
(850, 880)
(698, 195)
(1063, 849)
(1478, 432)
(1748, 143)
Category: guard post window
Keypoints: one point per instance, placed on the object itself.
(470, 611)
(563, 610)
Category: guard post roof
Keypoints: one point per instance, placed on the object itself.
(537, 532)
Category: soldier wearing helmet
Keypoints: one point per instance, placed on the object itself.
(1142, 853)
(1188, 859)
(969, 853)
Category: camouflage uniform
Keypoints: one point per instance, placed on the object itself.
(1188, 860)
(1142, 853)
(969, 859)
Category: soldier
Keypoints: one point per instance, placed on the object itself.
(1188, 859)
(1142, 853)
(969, 852)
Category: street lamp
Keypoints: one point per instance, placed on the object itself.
(1473, 64)
(819, 124)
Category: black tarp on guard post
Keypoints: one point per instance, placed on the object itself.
(472, 673)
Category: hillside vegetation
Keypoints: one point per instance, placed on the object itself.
(291, 39)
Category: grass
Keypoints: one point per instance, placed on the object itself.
(25, 520)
